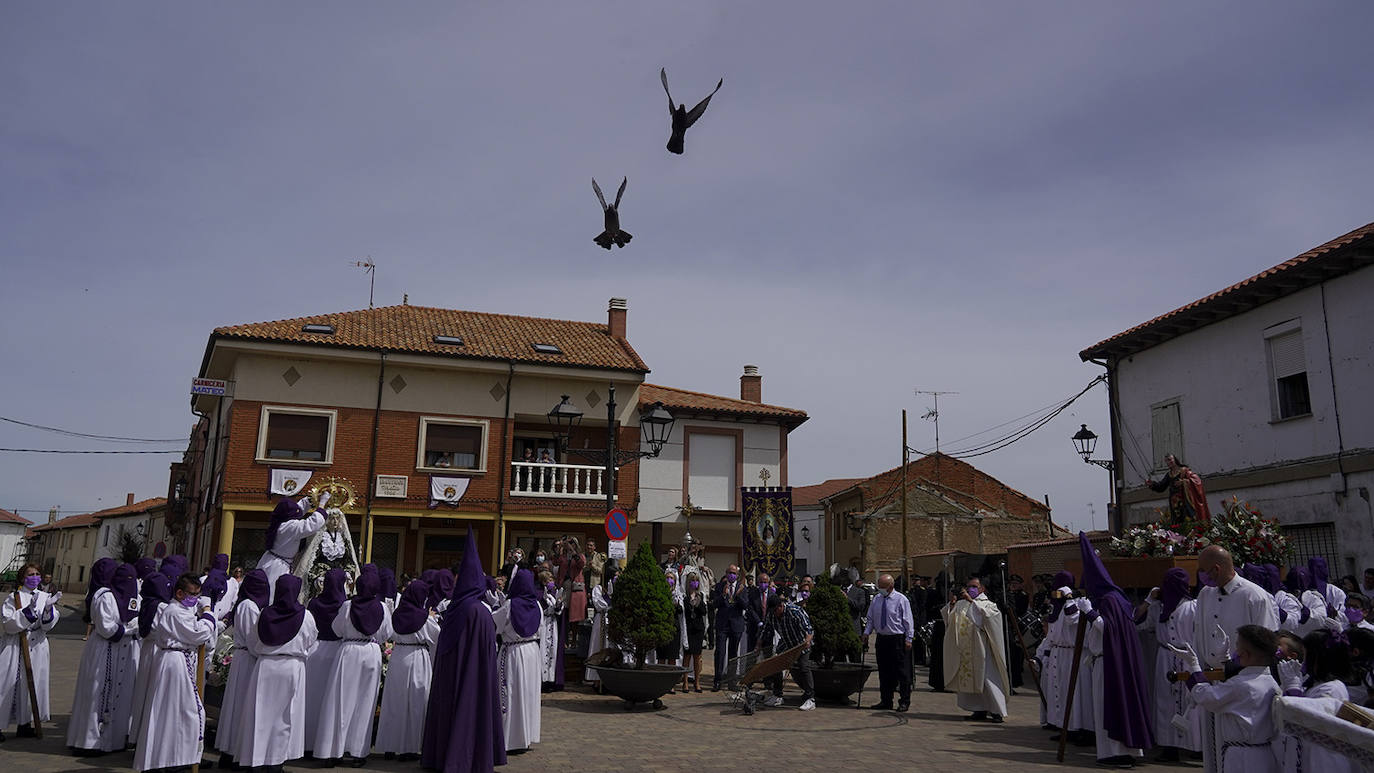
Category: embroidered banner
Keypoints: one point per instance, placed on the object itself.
(446, 490)
(767, 524)
(289, 482)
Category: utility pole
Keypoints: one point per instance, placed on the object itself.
(906, 455)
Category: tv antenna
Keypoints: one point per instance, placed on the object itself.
(371, 269)
(934, 413)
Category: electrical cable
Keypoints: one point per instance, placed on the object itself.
(1021, 432)
(107, 438)
(58, 451)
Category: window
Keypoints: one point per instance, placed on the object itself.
(449, 340)
(314, 328)
(297, 434)
(1315, 539)
(1287, 371)
(106, 540)
(1166, 432)
(712, 470)
(85, 538)
(547, 349)
(81, 574)
(452, 444)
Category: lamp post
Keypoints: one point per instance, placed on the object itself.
(1085, 442)
(656, 425)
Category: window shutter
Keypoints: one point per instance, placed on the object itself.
(1286, 354)
(1166, 433)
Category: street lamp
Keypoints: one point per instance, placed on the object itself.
(138, 527)
(1085, 442)
(656, 425)
(806, 533)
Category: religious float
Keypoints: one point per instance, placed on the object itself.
(641, 618)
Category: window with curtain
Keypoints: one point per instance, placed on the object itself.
(1288, 369)
(452, 445)
(299, 436)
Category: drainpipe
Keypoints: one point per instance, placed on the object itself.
(499, 538)
(372, 459)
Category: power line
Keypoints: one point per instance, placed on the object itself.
(108, 438)
(1021, 432)
(57, 451)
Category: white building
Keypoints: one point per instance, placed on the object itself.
(1263, 389)
(719, 445)
(808, 513)
(13, 549)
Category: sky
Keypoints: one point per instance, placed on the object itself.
(884, 197)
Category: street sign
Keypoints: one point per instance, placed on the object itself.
(617, 524)
(209, 386)
(616, 549)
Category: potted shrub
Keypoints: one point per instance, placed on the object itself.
(641, 618)
(836, 652)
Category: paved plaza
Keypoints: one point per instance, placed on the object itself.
(700, 733)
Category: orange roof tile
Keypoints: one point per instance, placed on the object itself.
(70, 522)
(90, 519)
(485, 336)
(1339, 256)
(687, 401)
(803, 496)
(956, 480)
(7, 517)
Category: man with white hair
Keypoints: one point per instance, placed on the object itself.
(889, 616)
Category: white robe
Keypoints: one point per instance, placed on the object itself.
(975, 662)
(319, 674)
(276, 560)
(272, 715)
(172, 727)
(14, 685)
(548, 639)
(344, 724)
(1241, 710)
(1171, 698)
(601, 605)
(145, 658)
(240, 674)
(405, 695)
(1299, 756)
(1293, 606)
(104, 697)
(519, 668)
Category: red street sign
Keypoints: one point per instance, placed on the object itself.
(617, 524)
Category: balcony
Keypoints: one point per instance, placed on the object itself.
(558, 481)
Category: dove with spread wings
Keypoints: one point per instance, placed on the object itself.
(682, 117)
(612, 234)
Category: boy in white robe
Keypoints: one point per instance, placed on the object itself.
(344, 725)
(405, 695)
(1318, 676)
(273, 711)
(103, 700)
(255, 593)
(172, 728)
(518, 624)
(1170, 615)
(551, 604)
(33, 613)
(1242, 704)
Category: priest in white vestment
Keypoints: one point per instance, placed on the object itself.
(172, 727)
(33, 613)
(519, 663)
(273, 711)
(975, 655)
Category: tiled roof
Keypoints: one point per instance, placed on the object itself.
(7, 517)
(686, 401)
(485, 336)
(1338, 256)
(90, 519)
(803, 496)
(955, 480)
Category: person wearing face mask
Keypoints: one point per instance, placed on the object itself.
(1357, 612)
(172, 728)
(1300, 609)
(601, 607)
(103, 702)
(1226, 603)
(729, 602)
(1239, 726)
(670, 652)
(695, 611)
(975, 662)
(889, 616)
(551, 602)
(1170, 613)
(31, 612)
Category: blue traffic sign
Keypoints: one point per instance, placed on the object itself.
(617, 524)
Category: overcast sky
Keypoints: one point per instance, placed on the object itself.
(883, 197)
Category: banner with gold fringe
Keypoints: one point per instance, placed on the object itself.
(767, 525)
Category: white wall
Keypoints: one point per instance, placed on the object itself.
(812, 517)
(11, 534)
(660, 479)
(107, 544)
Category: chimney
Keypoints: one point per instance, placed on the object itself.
(129, 500)
(751, 385)
(615, 317)
(52, 515)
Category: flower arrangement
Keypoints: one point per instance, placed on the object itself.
(218, 673)
(1240, 528)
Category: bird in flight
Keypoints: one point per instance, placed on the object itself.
(682, 117)
(612, 234)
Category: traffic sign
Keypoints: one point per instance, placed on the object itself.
(617, 550)
(617, 524)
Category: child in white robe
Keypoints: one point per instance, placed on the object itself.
(1241, 705)
(319, 667)
(103, 701)
(33, 613)
(254, 594)
(272, 713)
(518, 624)
(344, 718)
(405, 695)
(172, 728)
(551, 604)
(1170, 615)
(1319, 675)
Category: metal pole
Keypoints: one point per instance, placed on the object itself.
(906, 579)
(610, 449)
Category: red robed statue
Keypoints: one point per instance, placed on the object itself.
(1187, 500)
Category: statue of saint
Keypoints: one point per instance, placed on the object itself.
(329, 548)
(1187, 499)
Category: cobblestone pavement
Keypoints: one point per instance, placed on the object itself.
(697, 732)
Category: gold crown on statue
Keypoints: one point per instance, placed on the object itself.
(341, 493)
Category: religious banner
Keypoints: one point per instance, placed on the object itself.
(767, 523)
(289, 482)
(445, 490)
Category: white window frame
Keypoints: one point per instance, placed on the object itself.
(1288, 327)
(266, 414)
(423, 433)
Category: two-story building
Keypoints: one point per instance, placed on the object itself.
(14, 549)
(65, 548)
(1263, 389)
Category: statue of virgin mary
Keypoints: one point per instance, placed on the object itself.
(329, 548)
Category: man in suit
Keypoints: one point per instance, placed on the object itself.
(756, 598)
(729, 601)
